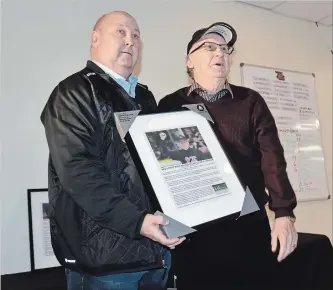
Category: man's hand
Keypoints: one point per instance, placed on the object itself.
(284, 231)
(151, 229)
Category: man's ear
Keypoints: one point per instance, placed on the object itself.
(95, 39)
(189, 63)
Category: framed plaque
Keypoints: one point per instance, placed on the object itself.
(41, 251)
(183, 166)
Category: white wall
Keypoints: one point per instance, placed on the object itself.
(45, 41)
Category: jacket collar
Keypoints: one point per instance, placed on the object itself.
(91, 65)
(96, 69)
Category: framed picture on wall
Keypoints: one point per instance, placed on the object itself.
(41, 251)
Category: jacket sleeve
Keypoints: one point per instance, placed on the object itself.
(75, 138)
(282, 199)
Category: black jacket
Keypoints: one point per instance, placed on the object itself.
(97, 200)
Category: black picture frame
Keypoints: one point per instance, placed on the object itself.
(41, 251)
(147, 180)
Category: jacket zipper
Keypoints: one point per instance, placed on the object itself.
(133, 105)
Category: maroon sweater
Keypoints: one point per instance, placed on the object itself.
(249, 136)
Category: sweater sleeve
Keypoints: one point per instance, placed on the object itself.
(282, 199)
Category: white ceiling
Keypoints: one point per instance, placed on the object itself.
(315, 11)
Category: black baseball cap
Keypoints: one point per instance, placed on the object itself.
(223, 29)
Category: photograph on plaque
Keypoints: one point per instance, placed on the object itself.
(41, 251)
(185, 149)
(186, 167)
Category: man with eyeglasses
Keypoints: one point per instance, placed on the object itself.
(230, 255)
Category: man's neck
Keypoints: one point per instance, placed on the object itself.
(119, 71)
(212, 86)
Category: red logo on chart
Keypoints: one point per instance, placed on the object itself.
(280, 76)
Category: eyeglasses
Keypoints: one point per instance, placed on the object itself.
(212, 46)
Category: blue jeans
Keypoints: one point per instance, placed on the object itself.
(145, 280)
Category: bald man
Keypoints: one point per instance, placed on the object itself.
(102, 225)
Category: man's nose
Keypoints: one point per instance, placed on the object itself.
(219, 52)
(129, 40)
